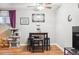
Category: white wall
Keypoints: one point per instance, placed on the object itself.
(63, 27)
(48, 26)
(57, 25)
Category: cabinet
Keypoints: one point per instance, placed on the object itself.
(14, 38)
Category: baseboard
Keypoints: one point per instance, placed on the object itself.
(50, 44)
(23, 44)
(58, 46)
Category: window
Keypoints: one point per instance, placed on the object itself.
(4, 20)
(4, 17)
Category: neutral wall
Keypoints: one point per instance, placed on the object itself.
(57, 25)
(48, 26)
(63, 27)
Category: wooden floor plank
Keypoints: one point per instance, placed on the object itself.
(21, 51)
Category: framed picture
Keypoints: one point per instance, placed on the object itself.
(24, 20)
(38, 17)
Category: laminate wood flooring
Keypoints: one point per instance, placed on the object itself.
(23, 51)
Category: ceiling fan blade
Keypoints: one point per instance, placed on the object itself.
(48, 7)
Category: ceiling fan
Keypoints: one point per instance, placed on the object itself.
(40, 6)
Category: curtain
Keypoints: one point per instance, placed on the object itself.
(12, 15)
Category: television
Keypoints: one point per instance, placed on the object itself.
(76, 40)
(75, 43)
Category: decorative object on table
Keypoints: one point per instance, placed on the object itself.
(38, 28)
(69, 18)
(24, 20)
(38, 17)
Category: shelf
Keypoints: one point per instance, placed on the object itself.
(13, 29)
(14, 36)
(14, 42)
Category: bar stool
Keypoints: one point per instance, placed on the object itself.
(47, 43)
(38, 45)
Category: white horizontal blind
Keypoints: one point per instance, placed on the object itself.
(4, 17)
(4, 13)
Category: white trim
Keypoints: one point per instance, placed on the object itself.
(23, 44)
(50, 44)
(53, 44)
(58, 46)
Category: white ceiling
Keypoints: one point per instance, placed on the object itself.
(7, 6)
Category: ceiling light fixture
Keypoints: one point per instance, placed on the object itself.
(40, 8)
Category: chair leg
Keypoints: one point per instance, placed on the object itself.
(47, 44)
(42, 47)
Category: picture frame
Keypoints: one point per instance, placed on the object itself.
(38, 17)
(24, 20)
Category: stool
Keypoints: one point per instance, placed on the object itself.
(37, 45)
(47, 43)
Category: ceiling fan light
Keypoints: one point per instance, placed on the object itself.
(40, 8)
